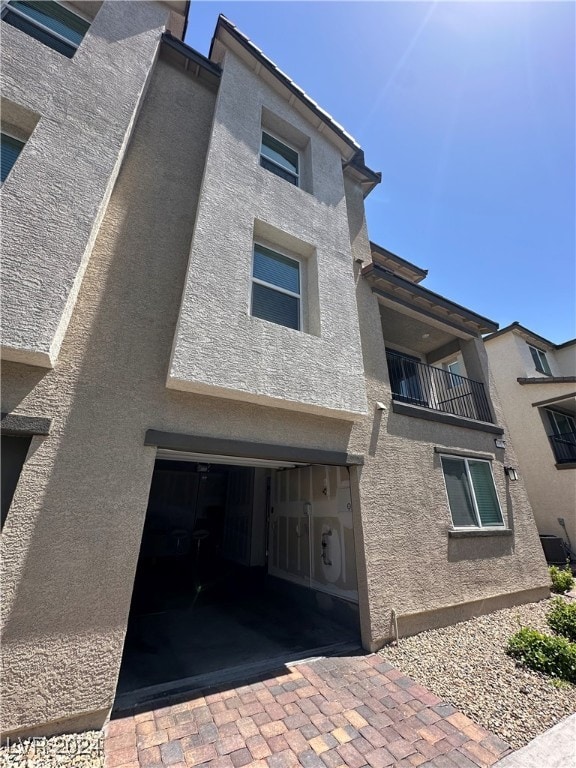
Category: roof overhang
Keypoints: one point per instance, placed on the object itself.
(563, 403)
(384, 258)
(178, 6)
(228, 37)
(529, 336)
(411, 298)
(192, 62)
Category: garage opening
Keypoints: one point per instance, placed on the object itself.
(243, 562)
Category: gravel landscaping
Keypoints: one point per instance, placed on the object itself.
(466, 665)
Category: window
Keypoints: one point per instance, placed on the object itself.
(276, 289)
(49, 22)
(563, 437)
(455, 369)
(562, 423)
(540, 360)
(13, 455)
(279, 158)
(471, 493)
(10, 148)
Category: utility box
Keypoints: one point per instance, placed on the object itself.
(554, 549)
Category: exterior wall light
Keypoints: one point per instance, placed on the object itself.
(511, 473)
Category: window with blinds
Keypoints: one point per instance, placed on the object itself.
(48, 22)
(10, 148)
(276, 289)
(280, 159)
(471, 493)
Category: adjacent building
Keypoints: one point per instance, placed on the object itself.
(536, 383)
(232, 424)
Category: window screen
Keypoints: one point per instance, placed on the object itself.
(276, 288)
(471, 493)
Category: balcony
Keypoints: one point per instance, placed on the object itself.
(424, 385)
(564, 447)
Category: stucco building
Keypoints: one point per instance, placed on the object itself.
(234, 429)
(536, 383)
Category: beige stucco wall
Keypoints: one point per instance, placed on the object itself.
(71, 538)
(220, 348)
(566, 360)
(53, 199)
(72, 535)
(412, 565)
(552, 491)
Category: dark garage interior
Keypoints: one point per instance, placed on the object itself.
(204, 602)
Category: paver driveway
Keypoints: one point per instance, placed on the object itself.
(351, 712)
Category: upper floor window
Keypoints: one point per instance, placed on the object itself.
(49, 22)
(563, 437)
(471, 493)
(278, 157)
(540, 360)
(276, 288)
(562, 423)
(454, 368)
(10, 149)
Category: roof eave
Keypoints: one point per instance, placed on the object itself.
(483, 325)
(418, 272)
(349, 148)
(521, 329)
(359, 171)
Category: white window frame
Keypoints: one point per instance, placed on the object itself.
(6, 6)
(258, 281)
(554, 413)
(278, 165)
(541, 354)
(466, 459)
(453, 383)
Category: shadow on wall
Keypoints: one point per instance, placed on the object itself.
(113, 365)
(325, 186)
(428, 431)
(128, 21)
(481, 548)
(23, 380)
(115, 353)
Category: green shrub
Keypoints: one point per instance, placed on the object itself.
(553, 655)
(562, 618)
(562, 579)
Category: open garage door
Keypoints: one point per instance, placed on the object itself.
(243, 563)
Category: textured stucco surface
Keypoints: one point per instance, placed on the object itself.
(72, 535)
(56, 193)
(565, 360)
(552, 492)
(219, 347)
(412, 565)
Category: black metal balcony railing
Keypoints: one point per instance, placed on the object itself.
(564, 447)
(420, 384)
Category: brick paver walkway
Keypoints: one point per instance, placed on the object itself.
(353, 712)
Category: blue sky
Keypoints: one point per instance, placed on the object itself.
(468, 109)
